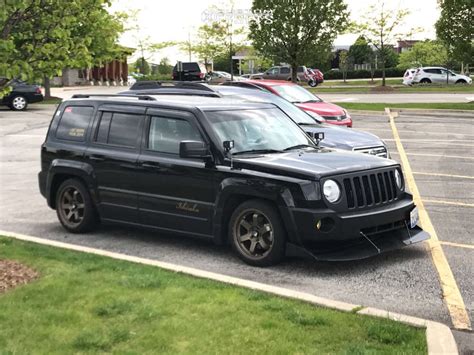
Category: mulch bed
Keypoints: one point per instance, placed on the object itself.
(13, 274)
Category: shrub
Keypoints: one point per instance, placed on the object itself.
(364, 74)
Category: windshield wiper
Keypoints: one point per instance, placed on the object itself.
(299, 146)
(307, 124)
(258, 151)
(309, 101)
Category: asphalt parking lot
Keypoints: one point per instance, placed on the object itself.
(440, 152)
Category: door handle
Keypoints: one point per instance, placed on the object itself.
(150, 165)
(96, 157)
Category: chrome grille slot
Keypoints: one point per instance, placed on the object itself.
(371, 189)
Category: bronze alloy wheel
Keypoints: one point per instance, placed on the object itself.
(254, 234)
(72, 206)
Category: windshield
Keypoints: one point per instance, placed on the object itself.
(259, 130)
(295, 113)
(295, 93)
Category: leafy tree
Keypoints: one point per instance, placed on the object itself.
(423, 54)
(147, 50)
(390, 57)
(296, 28)
(165, 67)
(360, 51)
(211, 42)
(344, 62)
(455, 28)
(142, 66)
(381, 27)
(38, 38)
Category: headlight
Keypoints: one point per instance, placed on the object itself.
(398, 180)
(331, 191)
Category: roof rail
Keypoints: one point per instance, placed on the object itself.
(180, 92)
(86, 96)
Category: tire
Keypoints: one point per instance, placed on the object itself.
(74, 207)
(425, 81)
(18, 103)
(312, 83)
(461, 81)
(257, 234)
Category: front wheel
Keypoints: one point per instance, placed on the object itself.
(313, 83)
(257, 234)
(18, 103)
(75, 208)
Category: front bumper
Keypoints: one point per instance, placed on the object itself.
(355, 235)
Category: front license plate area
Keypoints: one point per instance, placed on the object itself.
(414, 217)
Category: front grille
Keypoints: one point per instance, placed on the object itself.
(379, 151)
(335, 118)
(371, 189)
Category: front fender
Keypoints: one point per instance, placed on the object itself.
(245, 188)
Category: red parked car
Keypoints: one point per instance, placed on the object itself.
(319, 75)
(302, 98)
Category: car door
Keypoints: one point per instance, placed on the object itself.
(285, 73)
(175, 194)
(272, 73)
(113, 155)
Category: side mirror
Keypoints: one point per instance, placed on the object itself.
(193, 149)
(316, 136)
(228, 145)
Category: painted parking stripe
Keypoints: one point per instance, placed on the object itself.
(451, 294)
(436, 155)
(444, 175)
(458, 245)
(413, 132)
(451, 203)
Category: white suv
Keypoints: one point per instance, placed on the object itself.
(437, 75)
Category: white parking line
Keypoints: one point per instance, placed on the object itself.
(436, 155)
(445, 175)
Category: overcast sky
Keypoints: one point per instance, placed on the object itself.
(166, 20)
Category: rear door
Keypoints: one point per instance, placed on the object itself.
(285, 73)
(113, 154)
(175, 194)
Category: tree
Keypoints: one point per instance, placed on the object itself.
(296, 28)
(382, 27)
(344, 61)
(211, 42)
(38, 38)
(454, 27)
(165, 67)
(147, 50)
(422, 54)
(360, 51)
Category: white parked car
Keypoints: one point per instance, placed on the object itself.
(131, 80)
(437, 75)
(408, 76)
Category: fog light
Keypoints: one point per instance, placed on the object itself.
(325, 225)
(318, 225)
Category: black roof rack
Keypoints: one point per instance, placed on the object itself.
(173, 91)
(153, 84)
(86, 96)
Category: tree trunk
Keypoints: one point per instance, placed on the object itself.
(383, 71)
(294, 72)
(47, 88)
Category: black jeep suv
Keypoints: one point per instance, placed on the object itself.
(222, 169)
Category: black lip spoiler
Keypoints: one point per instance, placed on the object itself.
(364, 247)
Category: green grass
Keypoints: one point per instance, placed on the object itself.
(360, 82)
(52, 101)
(380, 106)
(401, 89)
(89, 304)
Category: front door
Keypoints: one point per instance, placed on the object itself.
(113, 156)
(175, 194)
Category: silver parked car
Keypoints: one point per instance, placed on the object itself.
(439, 75)
(284, 73)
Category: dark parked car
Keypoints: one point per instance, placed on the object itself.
(192, 71)
(312, 123)
(21, 94)
(229, 171)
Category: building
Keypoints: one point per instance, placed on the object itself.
(111, 73)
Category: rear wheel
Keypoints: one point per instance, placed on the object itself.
(313, 83)
(425, 81)
(257, 234)
(18, 103)
(75, 208)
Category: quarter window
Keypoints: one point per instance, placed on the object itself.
(284, 70)
(166, 134)
(118, 129)
(74, 122)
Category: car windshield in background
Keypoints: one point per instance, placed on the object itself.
(295, 94)
(257, 130)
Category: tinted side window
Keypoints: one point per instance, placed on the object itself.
(74, 122)
(191, 66)
(300, 70)
(166, 134)
(284, 70)
(118, 129)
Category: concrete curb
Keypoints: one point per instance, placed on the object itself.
(439, 337)
(430, 112)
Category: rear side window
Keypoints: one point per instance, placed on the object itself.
(74, 122)
(166, 134)
(191, 67)
(284, 70)
(119, 129)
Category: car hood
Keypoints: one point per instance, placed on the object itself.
(322, 108)
(311, 164)
(344, 138)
